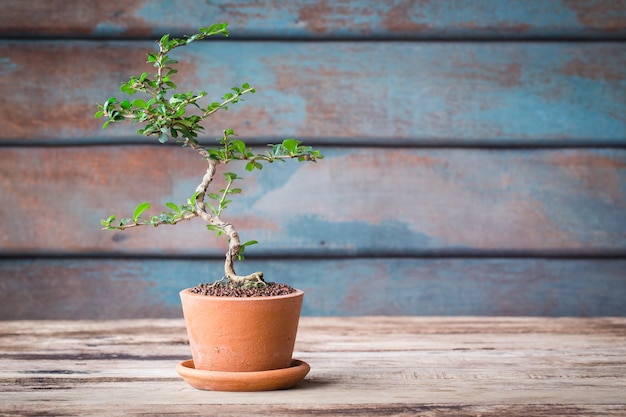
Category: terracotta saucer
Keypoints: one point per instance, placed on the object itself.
(243, 381)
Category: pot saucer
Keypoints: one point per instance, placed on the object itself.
(243, 381)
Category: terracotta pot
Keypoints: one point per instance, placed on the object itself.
(247, 334)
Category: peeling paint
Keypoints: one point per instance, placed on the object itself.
(415, 19)
(420, 93)
(126, 288)
(417, 200)
(600, 15)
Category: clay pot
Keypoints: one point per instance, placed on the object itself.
(248, 334)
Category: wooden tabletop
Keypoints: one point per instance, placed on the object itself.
(379, 366)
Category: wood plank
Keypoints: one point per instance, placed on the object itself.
(360, 366)
(315, 19)
(367, 201)
(338, 92)
(132, 288)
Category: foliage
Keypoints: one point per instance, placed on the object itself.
(168, 114)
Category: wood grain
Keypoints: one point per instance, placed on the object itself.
(318, 19)
(476, 155)
(438, 93)
(139, 288)
(399, 201)
(360, 366)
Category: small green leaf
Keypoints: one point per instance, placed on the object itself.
(139, 103)
(215, 229)
(291, 145)
(240, 146)
(107, 222)
(163, 137)
(173, 207)
(193, 198)
(140, 209)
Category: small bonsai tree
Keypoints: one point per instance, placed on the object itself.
(167, 114)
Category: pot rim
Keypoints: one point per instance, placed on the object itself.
(187, 292)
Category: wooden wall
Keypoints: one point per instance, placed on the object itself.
(476, 156)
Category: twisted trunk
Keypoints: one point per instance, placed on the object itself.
(234, 243)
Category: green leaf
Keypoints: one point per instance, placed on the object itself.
(193, 198)
(140, 209)
(217, 28)
(240, 146)
(215, 229)
(163, 137)
(173, 207)
(107, 222)
(291, 145)
(107, 104)
(139, 103)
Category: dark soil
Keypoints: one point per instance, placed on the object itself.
(221, 289)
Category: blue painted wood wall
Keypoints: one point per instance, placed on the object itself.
(476, 156)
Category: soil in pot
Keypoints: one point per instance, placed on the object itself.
(222, 290)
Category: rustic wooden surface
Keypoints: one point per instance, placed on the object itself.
(413, 19)
(130, 288)
(343, 92)
(463, 366)
(476, 151)
(422, 201)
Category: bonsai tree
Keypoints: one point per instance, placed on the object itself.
(167, 114)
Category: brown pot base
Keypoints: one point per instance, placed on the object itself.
(243, 381)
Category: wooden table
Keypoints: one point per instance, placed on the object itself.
(379, 366)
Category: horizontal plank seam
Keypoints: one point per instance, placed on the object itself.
(537, 144)
(550, 255)
(382, 38)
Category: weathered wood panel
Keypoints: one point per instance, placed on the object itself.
(371, 201)
(433, 158)
(413, 19)
(139, 288)
(338, 92)
(366, 366)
